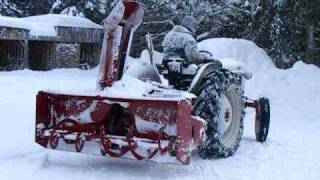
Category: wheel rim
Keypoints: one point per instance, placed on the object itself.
(79, 143)
(230, 116)
(54, 140)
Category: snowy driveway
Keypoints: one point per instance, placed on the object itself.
(291, 152)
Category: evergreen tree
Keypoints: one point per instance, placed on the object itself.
(312, 19)
(289, 30)
(96, 10)
(282, 49)
(294, 32)
(236, 21)
(157, 21)
(8, 9)
(29, 7)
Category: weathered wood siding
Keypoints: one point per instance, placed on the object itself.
(79, 35)
(18, 49)
(12, 54)
(8, 33)
(43, 38)
(41, 55)
(89, 54)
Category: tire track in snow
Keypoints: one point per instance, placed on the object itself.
(20, 155)
(199, 165)
(267, 160)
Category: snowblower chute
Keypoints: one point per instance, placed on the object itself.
(119, 28)
(139, 128)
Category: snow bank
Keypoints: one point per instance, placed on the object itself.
(286, 87)
(247, 52)
(255, 59)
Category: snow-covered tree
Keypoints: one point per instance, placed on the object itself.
(20, 8)
(312, 26)
(294, 33)
(288, 29)
(95, 10)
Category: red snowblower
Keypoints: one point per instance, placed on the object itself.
(162, 123)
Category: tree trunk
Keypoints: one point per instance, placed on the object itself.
(310, 54)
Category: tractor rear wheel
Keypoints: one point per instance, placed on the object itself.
(220, 103)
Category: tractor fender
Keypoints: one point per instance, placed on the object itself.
(206, 69)
(203, 72)
(236, 67)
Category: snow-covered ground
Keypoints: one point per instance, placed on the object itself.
(291, 152)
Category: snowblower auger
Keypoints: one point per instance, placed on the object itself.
(140, 128)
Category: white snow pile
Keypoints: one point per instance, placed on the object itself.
(256, 60)
(297, 83)
(247, 52)
(129, 87)
(291, 151)
(44, 25)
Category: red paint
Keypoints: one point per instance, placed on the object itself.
(114, 63)
(55, 113)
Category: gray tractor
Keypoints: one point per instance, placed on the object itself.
(220, 99)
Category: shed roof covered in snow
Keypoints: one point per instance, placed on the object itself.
(13, 29)
(63, 20)
(56, 27)
(12, 22)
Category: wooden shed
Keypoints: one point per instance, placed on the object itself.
(13, 45)
(67, 41)
(89, 42)
(52, 41)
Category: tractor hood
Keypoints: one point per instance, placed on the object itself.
(236, 67)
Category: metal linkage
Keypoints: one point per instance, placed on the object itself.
(253, 104)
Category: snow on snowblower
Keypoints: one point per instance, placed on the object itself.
(133, 114)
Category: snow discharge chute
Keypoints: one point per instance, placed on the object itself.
(119, 27)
